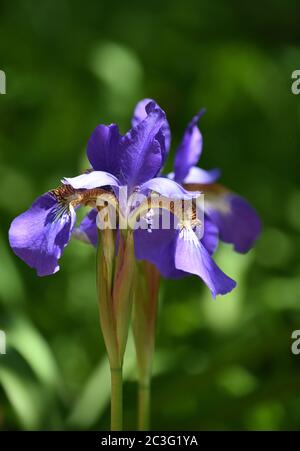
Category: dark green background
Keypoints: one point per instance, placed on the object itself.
(71, 65)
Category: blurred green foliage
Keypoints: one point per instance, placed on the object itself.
(71, 65)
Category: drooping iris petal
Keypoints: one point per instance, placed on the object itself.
(140, 113)
(141, 152)
(91, 180)
(39, 235)
(167, 188)
(88, 227)
(158, 247)
(192, 257)
(103, 149)
(237, 221)
(198, 175)
(189, 150)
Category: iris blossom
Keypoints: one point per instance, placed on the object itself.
(227, 216)
(134, 160)
(176, 251)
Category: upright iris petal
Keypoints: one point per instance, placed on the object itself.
(39, 235)
(132, 159)
(141, 111)
(141, 152)
(188, 155)
(103, 149)
(190, 149)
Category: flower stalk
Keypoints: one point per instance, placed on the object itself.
(115, 272)
(144, 326)
(116, 399)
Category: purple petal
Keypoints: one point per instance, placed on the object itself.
(158, 247)
(88, 228)
(91, 180)
(210, 237)
(189, 150)
(141, 112)
(39, 235)
(198, 175)
(141, 149)
(192, 257)
(103, 149)
(237, 221)
(167, 188)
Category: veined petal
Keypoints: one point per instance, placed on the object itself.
(192, 257)
(189, 150)
(140, 113)
(39, 235)
(141, 150)
(198, 175)
(91, 180)
(103, 149)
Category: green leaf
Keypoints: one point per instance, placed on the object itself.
(22, 396)
(35, 350)
(96, 394)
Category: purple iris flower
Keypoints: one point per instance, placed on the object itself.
(186, 248)
(228, 216)
(40, 235)
(135, 161)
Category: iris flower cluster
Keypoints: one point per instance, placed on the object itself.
(133, 163)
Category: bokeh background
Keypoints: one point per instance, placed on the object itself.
(71, 65)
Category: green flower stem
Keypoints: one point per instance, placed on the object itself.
(105, 268)
(144, 406)
(144, 324)
(116, 399)
(115, 275)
